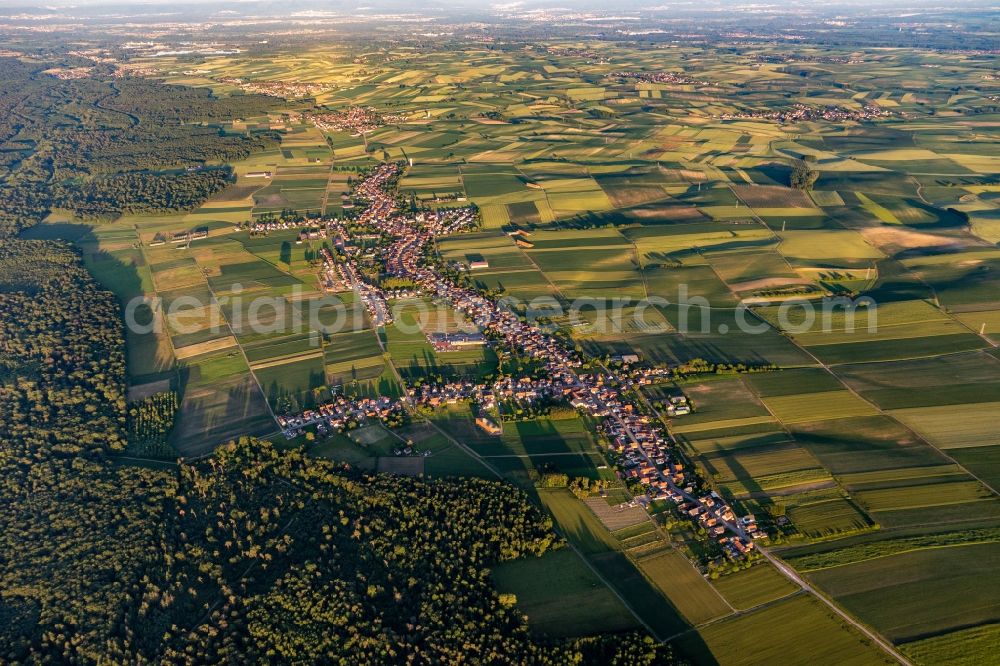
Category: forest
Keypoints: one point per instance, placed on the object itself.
(139, 192)
(96, 147)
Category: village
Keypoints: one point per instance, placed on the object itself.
(69, 73)
(356, 120)
(646, 451)
(283, 89)
(671, 78)
(779, 58)
(801, 112)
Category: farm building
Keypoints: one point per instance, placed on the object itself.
(488, 425)
(451, 341)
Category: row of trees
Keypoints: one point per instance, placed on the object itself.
(700, 366)
(149, 423)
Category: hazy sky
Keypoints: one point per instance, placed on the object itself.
(418, 5)
(207, 9)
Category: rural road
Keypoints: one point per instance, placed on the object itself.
(791, 574)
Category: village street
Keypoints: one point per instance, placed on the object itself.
(647, 450)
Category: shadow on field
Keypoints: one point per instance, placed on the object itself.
(602, 552)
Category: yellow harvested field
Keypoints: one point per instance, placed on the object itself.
(826, 244)
(977, 163)
(954, 426)
(890, 237)
(287, 359)
(790, 409)
(687, 429)
(205, 347)
(192, 320)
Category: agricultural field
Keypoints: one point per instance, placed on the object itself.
(798, 630)
(958, 379)
(803, 235)
(888, 591)
(690, 593)
(764, 467)
(660, 586)
(953, 426)
(965, 647)
(760, 584)
(883, 332)
(571, 602)
(582, 527)
(626, 522)
(819, 406)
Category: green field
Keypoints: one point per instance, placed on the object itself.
(751, 587)
(687, 589)
(909, 497)
(966, 647)
(798, 630)
(826, 517)
(863, 444)
(578, 523)
(953, 426)
(818, 407)
(561, 595)
(889, 592)
(832, 556)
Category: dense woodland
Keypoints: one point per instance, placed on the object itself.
(112, 150)
(139, 192)
(100, 148)
(255, 555)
